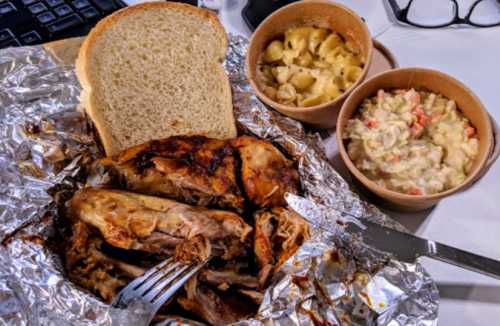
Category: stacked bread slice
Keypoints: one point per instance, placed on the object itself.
(154, 70)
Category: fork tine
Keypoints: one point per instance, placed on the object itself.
(141, 279)
(157, 286)
(158, 301)
(150, 282)
(128, 292)
(161, 284)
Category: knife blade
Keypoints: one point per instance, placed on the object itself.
(408, 248)
(403, 246)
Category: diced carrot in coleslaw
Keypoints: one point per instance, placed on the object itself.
(469, 131)
(415, 191)
(371, 123)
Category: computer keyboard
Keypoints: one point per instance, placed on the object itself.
(30, 22)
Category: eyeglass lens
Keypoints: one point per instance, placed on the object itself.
(431, 13)
(486, 12)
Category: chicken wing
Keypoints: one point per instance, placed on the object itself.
(266, 173)
(279, 232)
(193, 169)
(131, 221)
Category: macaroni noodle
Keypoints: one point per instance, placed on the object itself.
(308, 67)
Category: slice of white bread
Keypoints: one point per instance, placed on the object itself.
(154, 70)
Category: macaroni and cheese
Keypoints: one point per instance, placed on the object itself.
(416, 143)
(309, 66)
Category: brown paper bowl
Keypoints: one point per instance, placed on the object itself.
(318, 13)
(433, 81)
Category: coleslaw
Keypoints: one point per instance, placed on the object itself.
(413, 142)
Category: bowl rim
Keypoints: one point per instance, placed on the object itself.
(370, 184)
(305, 109)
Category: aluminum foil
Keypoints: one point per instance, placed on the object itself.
(46, 145)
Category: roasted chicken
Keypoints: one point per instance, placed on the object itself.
(131, 221)
(204, 302)
(279, 232)
(91, 268)
(223, 279)
(265, 172)
(108, 224)
(203, 171)
(97, 271)
(119, 221)
(194, 250)
(195, 170)
(116, 235)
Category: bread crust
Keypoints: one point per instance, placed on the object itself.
(83, 61)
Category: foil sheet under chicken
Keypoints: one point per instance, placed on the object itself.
(47, 146)
(116, 235)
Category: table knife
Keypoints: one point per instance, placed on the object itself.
(408, 248)
(400, 245)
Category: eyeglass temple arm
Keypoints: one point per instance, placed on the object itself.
(395, 7)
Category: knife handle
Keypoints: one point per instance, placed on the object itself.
(464, 259)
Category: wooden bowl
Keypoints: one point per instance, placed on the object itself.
(321, 14)
(433, 81)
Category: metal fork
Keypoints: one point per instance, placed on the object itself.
(156, 286)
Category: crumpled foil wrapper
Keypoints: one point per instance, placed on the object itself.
(46, 145)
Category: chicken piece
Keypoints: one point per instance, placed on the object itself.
(194, 250)
(255, 296)
(279, 232)
(92, 269)
(192, 169)
(131, 221)
(226, 278)
(266, 173)
(205, 303)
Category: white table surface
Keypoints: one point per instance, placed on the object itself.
(469, 220)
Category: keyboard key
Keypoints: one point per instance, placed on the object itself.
(10, 43)
(65, 23)
(89, 13)
(105, 5)
(46, 17)
(37, 8)
(79, 4)
(54, 3)
(5, 34)
(31, 38)
(7, 8)
(28, 2)
(63, 10)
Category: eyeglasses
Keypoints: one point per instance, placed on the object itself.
(441, 13)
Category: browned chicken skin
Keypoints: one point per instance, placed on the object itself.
(193, 169)
(204, 172)
(265, 172)
(131, 221)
